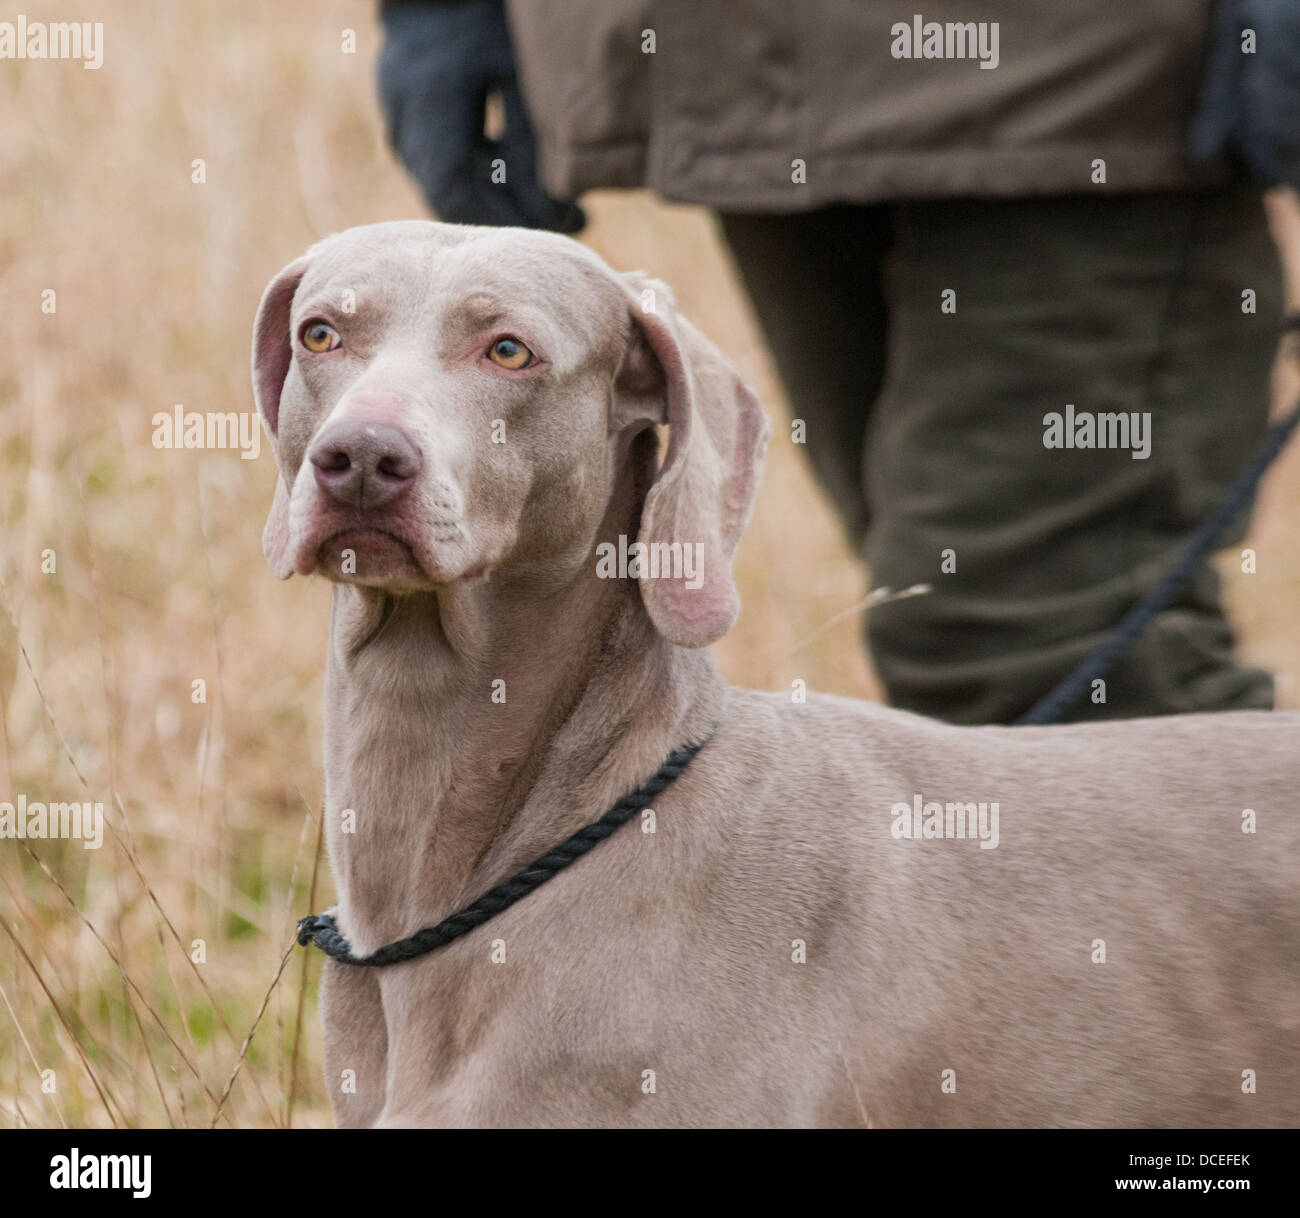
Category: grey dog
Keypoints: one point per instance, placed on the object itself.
(840, 914)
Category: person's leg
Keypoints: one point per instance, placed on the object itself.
(815, 281)
(1103, 304)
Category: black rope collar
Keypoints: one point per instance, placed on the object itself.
(321, 930)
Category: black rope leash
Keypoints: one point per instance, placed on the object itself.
(1200, 545)
(321, 930)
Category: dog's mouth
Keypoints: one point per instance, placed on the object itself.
(370, 555)
(380, 556)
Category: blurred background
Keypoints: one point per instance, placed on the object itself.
(159, 580)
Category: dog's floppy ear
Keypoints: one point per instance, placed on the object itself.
(272, 354)
(704, 490)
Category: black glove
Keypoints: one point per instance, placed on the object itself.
(1250, 104)
(441, 59)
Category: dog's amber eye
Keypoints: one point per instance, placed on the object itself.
(318, 336)
(510, 353)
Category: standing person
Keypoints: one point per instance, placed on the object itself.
(1029, 336)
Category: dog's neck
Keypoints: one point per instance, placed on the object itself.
(472, 729)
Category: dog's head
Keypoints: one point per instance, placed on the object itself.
(445, 402)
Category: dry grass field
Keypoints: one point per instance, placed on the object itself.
(157, 576)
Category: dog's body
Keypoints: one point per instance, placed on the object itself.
(775, 945)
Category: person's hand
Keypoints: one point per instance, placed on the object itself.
(1250, 102)
(441, 60)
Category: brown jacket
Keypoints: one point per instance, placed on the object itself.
(737, 94)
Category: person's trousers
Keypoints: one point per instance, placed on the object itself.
(1029, 405)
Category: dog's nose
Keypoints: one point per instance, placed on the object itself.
(364, 464)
